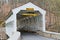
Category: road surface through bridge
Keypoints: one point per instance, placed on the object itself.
(32, 36)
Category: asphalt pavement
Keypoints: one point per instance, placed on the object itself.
(33, 36)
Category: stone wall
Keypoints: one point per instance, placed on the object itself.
(49, 35)
(2, 34)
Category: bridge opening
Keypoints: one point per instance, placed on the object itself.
(29, 21)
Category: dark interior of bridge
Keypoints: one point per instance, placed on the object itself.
(27, 21)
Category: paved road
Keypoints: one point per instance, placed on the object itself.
(32, 36)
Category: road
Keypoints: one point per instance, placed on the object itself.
(32, 36)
